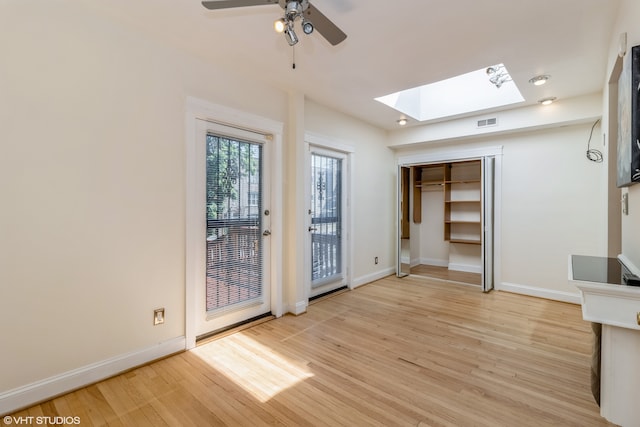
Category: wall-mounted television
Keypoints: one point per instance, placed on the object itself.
(629, 120)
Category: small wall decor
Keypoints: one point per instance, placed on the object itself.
(629, 120)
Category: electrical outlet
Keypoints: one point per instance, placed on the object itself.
(158, 316)
(376, 260)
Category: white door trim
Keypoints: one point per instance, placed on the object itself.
(465, 154)
(198, 109)
(328, 143)
(449, 155)
(320, 142)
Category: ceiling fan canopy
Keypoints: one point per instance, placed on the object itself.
(294, 10)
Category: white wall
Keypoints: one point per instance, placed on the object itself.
(553, 205)
(627, 22)
(434, 250)
(92, 221)
(92, 172)
(374, 189)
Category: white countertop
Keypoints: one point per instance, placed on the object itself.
(604, 298)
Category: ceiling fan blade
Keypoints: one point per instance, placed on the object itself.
(328, 29)
(226, 4)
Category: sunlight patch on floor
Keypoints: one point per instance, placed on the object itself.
(256, 368)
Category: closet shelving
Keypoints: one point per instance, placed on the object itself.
(462, 203)
(461, 182)
(425, 176)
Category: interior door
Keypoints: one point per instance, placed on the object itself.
(233, 184)
(403, 267)
(327, 221)
(488, 186)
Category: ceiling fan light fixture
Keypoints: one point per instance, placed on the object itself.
(280, 25)
(290, 35)
(307, 27)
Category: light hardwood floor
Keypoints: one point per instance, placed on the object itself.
(397, 352)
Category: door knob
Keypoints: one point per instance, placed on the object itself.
(266, 233)
(313, 229)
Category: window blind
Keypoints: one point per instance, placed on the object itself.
(233, 212)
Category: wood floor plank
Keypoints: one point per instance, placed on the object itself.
(443, 273)
(397, 352)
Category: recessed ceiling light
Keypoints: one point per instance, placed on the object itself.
(402, 121)
(539, 80)
(548, 101)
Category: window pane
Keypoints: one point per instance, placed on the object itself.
(326, 237)
(234, 244)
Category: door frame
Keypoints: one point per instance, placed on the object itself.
(196, 110)
(322, 143)
(471, 154)
(403, 243)
(487, 222)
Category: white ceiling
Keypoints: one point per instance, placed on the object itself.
(392, 45)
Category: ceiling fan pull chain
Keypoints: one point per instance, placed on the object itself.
(294, 57)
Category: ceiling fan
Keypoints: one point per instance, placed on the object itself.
(310, 18)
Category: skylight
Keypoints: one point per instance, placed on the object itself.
(467, 93)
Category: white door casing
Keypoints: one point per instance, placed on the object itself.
(333, 149)
(203, 117)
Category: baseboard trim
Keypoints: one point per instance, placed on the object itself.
(466, 268)
(30, 394)
(540, 293)
(299, 308)
(435, 262)
(363, 280)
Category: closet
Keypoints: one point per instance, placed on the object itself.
(446, 221)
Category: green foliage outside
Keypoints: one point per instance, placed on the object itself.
(231, 166)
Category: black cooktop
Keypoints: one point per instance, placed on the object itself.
(599, 269)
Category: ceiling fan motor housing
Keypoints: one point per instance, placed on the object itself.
(294, 8)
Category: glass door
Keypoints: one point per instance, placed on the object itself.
(327, 220)
(234, 282)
